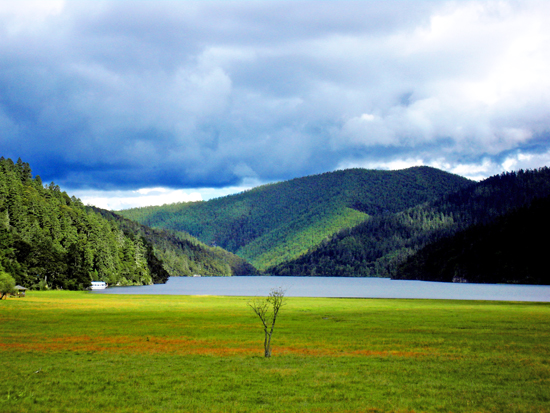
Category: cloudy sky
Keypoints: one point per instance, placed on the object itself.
(127, 103)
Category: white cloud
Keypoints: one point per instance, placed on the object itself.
(477, 171)
(385, 165)
(117, 200)
(471, 71)
(190, 94)
(368, 117)
(27, 16)
(37, 9)
(526, 161)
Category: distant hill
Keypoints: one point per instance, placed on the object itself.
(275, 223)
(49, 238)
(379, 247)
(181, 254)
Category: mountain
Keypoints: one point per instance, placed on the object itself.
(275, 223)
(418, 223)
(49, 238)
(181, 254)
(379, 247)
(510, 249)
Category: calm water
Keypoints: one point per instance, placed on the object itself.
(338, 287)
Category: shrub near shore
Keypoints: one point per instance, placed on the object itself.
(69, 351)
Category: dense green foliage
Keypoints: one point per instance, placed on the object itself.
(48, 239)
(274, 223)
(287, 241)
(80, 352)
(7, 284)
(51, 240)
(378, 246)
(182, 255)
(510, 249)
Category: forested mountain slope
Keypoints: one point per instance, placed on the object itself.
(275, 223)
(183, 255)
(511, 249)
(378, 246)
(49, 238)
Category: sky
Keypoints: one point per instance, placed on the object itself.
(132, 103)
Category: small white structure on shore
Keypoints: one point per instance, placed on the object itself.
(20, 291)
(98, 285)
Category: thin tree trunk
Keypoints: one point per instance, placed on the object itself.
(267, 345)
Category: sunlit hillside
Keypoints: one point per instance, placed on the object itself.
(275, 223)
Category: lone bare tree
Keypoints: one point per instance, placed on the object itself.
(267, 310)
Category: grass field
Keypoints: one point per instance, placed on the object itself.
(71, 351)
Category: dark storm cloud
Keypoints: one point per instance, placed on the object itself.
(136, 94)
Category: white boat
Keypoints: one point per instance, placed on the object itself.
(98, 285)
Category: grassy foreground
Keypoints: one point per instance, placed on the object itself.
(70, 351)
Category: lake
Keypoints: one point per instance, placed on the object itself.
(338, 287)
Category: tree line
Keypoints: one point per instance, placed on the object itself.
(380, 246)
(50, 239)
(510, 249)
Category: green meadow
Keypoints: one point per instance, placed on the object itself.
(82, 352)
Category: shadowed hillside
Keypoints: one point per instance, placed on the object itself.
(511, 249)
(379, 246)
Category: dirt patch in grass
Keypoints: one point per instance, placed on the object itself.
(182, 346)
(129, 344)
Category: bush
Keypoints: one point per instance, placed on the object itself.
(7, 284)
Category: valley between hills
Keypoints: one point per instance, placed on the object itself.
(416, 223)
